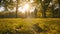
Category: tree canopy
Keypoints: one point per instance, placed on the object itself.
(35, 8)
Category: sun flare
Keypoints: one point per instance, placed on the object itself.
(24, 8)
(27, 7)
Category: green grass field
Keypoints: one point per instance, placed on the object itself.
(30, 26)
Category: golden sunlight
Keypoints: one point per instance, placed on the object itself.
(26, 6)
(31, 1)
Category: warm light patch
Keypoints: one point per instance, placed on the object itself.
(26, 6)
(2, 8)
(21, 9)
(31, 1)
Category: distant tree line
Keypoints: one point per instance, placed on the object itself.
(44, 8)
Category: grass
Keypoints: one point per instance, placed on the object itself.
(30, 26)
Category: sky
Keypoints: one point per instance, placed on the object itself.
(2, 8)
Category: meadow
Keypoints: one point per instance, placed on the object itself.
(29, 25)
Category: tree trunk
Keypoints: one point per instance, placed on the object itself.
(17, 9)
(43, 13)
(35, 13)
(52, 11)
(59, 9)
(44, 7)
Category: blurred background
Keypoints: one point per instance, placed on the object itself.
(29, 8)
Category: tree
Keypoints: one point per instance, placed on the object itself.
(35, 13)
(16, 8)
(17, 3)
(55, 8)
(44, 5)
(59, 8)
